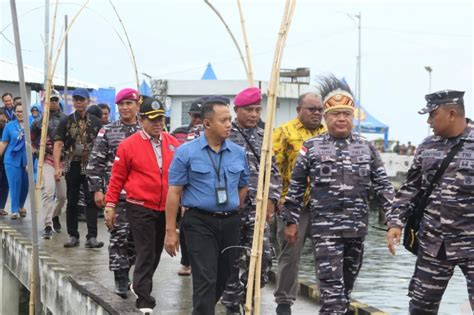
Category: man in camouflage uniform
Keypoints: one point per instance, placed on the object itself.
(446, 237)
(247, 134)
(287, 141)
(122, 247)
(341, 167)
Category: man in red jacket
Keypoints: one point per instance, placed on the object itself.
(141, 168)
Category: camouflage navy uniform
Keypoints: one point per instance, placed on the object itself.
(234, 293)
(121, 247)
(446, 235)
(340, 173)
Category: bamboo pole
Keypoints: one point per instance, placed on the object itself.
(34, 275)
(129, 45)
(265, 163)
(35, 203)
(247, 47)
(231, 35)
(49, 85)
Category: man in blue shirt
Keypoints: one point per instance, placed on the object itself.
(209, 176)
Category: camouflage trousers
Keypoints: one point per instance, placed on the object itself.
(121, 247)
(234, 293)
(338, 261)
(430, 280)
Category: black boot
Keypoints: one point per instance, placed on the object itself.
(121, 282)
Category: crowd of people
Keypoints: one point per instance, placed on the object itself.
(194, 190)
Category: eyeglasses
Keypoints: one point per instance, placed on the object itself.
(54, 99)
(314, 109)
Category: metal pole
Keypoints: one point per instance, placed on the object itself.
(46, 41)
(65, 62)
(26, 110)
(359, 74)
(429, 69)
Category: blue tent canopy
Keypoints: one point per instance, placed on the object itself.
(209, 74)
(368, 124)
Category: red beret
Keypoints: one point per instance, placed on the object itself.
(127, 94)
(247, 97)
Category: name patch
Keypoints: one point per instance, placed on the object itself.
(324, 150)
(433, 154)
(466, 155)
(466, 164)
(357, 149)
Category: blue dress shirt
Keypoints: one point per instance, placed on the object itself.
(192, 168)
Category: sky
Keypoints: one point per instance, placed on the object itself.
(175, 39)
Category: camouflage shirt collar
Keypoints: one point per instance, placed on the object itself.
(468, 133)
(351, 138)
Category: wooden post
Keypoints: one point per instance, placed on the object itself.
(247, 48)
(265, 163)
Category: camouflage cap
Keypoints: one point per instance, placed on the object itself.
(444, 97)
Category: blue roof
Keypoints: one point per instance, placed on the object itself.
(145, 89)
(209, 73)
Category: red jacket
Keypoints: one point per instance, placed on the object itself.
(136, 170)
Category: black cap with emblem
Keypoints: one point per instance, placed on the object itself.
(150, 107)
(444, 97)
(196, 105)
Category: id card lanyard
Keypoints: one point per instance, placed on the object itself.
(221, 192)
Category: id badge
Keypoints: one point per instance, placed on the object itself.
(221, 194)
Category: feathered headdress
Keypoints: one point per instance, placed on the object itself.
(336, 94)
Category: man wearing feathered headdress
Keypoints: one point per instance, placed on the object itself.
(341, 166)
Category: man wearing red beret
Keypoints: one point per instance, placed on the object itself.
(98, 171)
(141, 168)
(247, 134)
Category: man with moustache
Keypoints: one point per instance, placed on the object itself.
(287, 141)
(446, 238)
(209, 176)
(341, 167)
(141, 169)
(99, 169)
(246, 133)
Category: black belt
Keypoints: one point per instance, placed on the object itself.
(217, 214)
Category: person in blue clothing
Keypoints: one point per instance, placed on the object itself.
(209, 176)
(7, 99)
(13, 148)
(3, 176)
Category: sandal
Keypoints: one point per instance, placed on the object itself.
(14, 216)
(184, 271)
(3, 212)
(22, 212)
